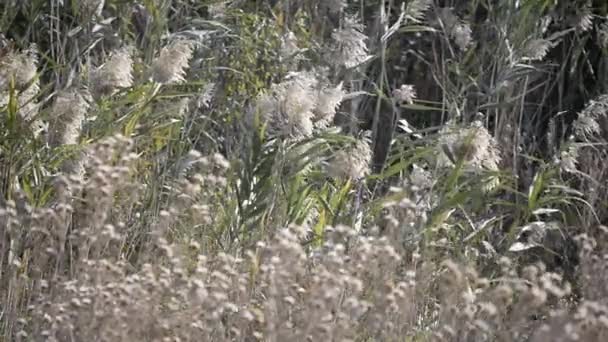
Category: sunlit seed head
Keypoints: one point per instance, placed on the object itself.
(287, 108)
(114, 74)
(351, 163)
(406, 93)
(474, 144)
(328, 101)
(171, 64)
(66, 117)
(89, 9)
(462, 36)
(20, 67)
(350, 44)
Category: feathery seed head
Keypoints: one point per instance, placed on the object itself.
(287, 107)
(289, 45)
(21, 68)
(351, 48)
(217, 10)
(406, 93)
(171, 64)
(569, 158)
(67, 114)
(18, 66)
(588, 122)
(455, 28)
(116, 73)
(462, 36)
(474, 144)
(416, 9)
(90, 8)
(351, 163)
(328, 101)
(536, 49)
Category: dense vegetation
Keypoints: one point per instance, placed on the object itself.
(303, 170)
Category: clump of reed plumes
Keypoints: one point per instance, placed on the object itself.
(328, 100)
(456, 29)
(115, 74)
(351, 163)
(19, 69)
(405, 94)
(474, 145)
(66, 117)
(294, 108)
(587, 152)
(350, 44)
(287, 107)
(90, 9)
(171, 64)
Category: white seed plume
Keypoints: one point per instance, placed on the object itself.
(217, 10)
(474, 144)
(351, 47)
(287, 107)
(416, 9)
(536, 49)
(89, 8)
(328, 100)
(462, 36)
(67, 114)
(170, 66)
(588, 122)
(455, 28)
(568, 158)
(289, 46)
(116, 73)
(406, 93)
(351, 163)
(21, 68)
(584, 19)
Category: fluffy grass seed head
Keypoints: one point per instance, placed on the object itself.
(351, 49)
(328, 100)
(351, 163)
(462, 35)
(416, 10)
(171, 64)
(289, 45)
(405, 94)
(67, 114)
(114, 74)
(287, 108)
(474, 144)
(590, 118)
(21, 68)
(536, 49)
(18, 66)
(90, 8)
